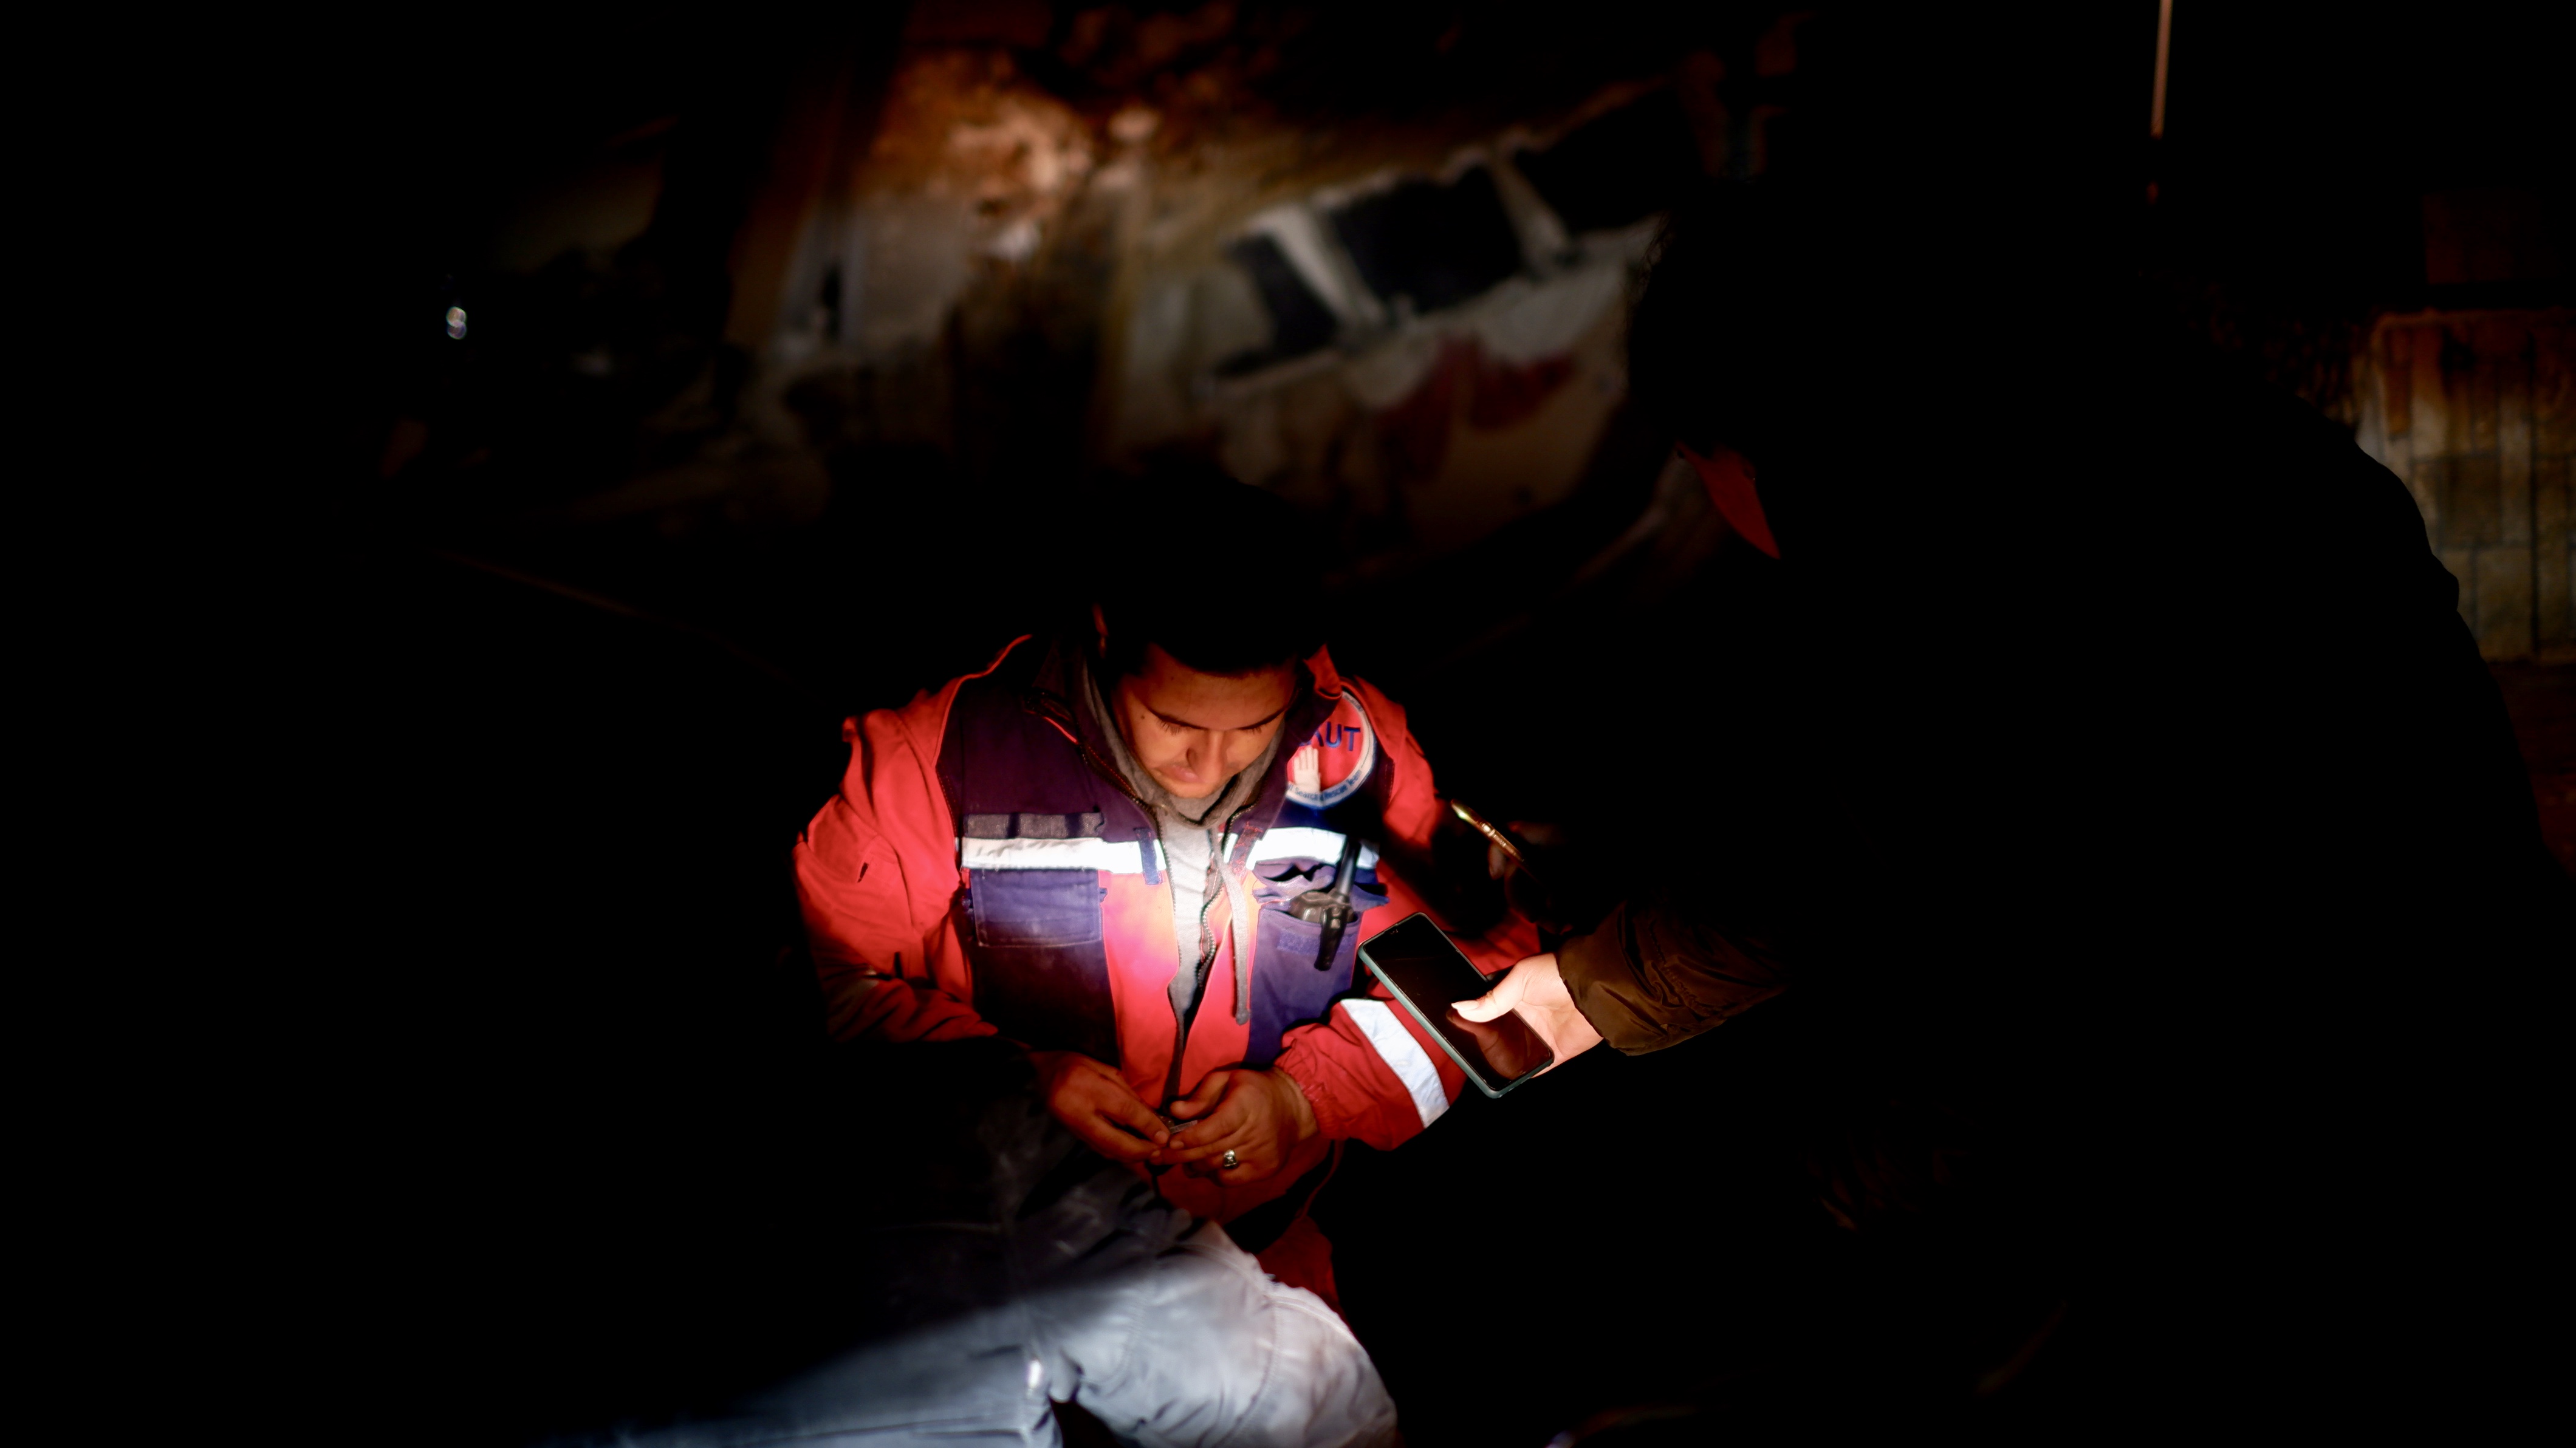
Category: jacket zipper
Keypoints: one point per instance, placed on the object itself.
(1058, 713)
(1198, 998)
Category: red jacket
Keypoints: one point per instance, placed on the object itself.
(926, 931)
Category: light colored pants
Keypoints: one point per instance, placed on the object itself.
(1203, 1349)
(989, 1267)
(1192, 1347)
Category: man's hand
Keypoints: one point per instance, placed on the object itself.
(1260, 1116)
(1097, 1104)
(1537, 991)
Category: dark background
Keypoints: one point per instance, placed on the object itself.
(546, 1138)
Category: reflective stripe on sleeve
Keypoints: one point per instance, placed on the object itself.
(1293, 841)
(1396, 1046)
(1119, 857)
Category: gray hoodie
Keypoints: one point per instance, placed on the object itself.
(1192, 833)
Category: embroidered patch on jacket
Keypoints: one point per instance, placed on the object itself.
(1331, 767)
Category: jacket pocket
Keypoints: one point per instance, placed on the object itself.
(1035, 907)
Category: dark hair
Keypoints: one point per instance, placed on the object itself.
(1225, 578)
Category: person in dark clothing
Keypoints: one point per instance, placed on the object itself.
(2210, 873)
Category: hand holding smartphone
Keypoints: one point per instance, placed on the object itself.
(1425, 973)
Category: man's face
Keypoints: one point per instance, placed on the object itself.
(1195, 731)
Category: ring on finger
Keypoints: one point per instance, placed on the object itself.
(1229, 1161)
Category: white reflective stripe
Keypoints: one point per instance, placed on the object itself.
(1119, 857)
(1368, 858)
(1291, 841)
(1396, 1046)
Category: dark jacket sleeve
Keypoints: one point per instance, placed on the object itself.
(1656, 973)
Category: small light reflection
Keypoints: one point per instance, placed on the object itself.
(456, 323)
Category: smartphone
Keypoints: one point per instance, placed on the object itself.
(1426, 973)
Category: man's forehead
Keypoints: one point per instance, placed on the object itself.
(1183, 696)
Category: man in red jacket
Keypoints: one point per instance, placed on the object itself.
(1091, 846)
